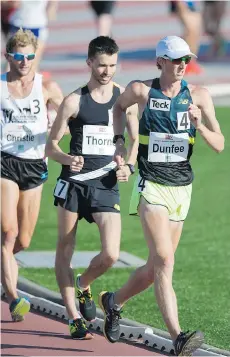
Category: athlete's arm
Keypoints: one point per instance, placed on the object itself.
(55, 95)
(132, 125)
(68, 108)
(54, 99)
(210, 130)
(133, 94)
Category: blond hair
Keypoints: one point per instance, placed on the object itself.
(21, 38)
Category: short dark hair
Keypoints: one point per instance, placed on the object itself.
(102, 45)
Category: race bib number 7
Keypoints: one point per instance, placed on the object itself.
(61, 189)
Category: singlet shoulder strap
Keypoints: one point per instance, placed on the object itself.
(156, 83)
(84, 89)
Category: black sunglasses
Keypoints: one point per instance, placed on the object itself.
(185, 59)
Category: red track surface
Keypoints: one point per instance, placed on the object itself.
(39, 335)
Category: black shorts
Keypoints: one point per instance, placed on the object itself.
(26, 173)
(173, 5)
(85, 200)
(102, 7)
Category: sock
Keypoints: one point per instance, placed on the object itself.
(117, 307)
(112, 304)
(14, 303)
(78, 284)
(111, 301)
(72, 320)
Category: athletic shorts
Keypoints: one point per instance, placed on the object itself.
(26, 173)
(175, 198)
(190, 4)
(102, 7)
(85, 200)
(40, 33)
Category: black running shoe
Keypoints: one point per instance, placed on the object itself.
(111, 327)
(187, 343)
(86, 304)
(79, 331)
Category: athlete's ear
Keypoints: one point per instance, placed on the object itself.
(88, 61)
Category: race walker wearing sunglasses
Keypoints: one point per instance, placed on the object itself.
(22, 56)
(185, 59)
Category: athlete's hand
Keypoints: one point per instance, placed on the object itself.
(195, 115)
(76, 163)
(123, 173)
(120, 154)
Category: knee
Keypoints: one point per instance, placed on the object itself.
(9, 237)
(164, 261)
(109, 258)
(22, 243)
(64, 251)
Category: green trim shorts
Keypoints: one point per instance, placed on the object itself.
(175, 198)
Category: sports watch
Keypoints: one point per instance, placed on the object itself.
(116, 137)
(131, 167)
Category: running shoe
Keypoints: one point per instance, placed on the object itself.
(187, 343)
(111, 326)
(19, 308)
(86, 304)
(79, 331)
(193, 68)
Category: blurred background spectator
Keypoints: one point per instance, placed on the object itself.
(104, 18)
(32, 15)
(213, 12)
(190, 18)
(7, 8)
(136, 26)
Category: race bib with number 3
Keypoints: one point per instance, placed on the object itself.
(61, 189)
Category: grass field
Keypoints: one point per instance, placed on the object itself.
(201, 278)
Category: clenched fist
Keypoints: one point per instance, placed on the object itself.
(195, 115)
(120, 154)
(76, 163)
(123, 173)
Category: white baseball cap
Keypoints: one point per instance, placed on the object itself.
(173, 47)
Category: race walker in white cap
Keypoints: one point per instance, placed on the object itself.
(172, 112)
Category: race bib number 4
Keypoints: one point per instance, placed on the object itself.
(168, 147)
(98, 140)
(183, 122)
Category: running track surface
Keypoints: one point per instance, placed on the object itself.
(39, 335)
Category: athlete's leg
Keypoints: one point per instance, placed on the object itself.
(67, 226)
(191, 21)
(143, 276)
(9, 231)
(103, 11)
(156, 227)
(28, 211)
(109, 224)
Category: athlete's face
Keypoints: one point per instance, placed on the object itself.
(103, 67)
(19, 64)
(174, 71)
